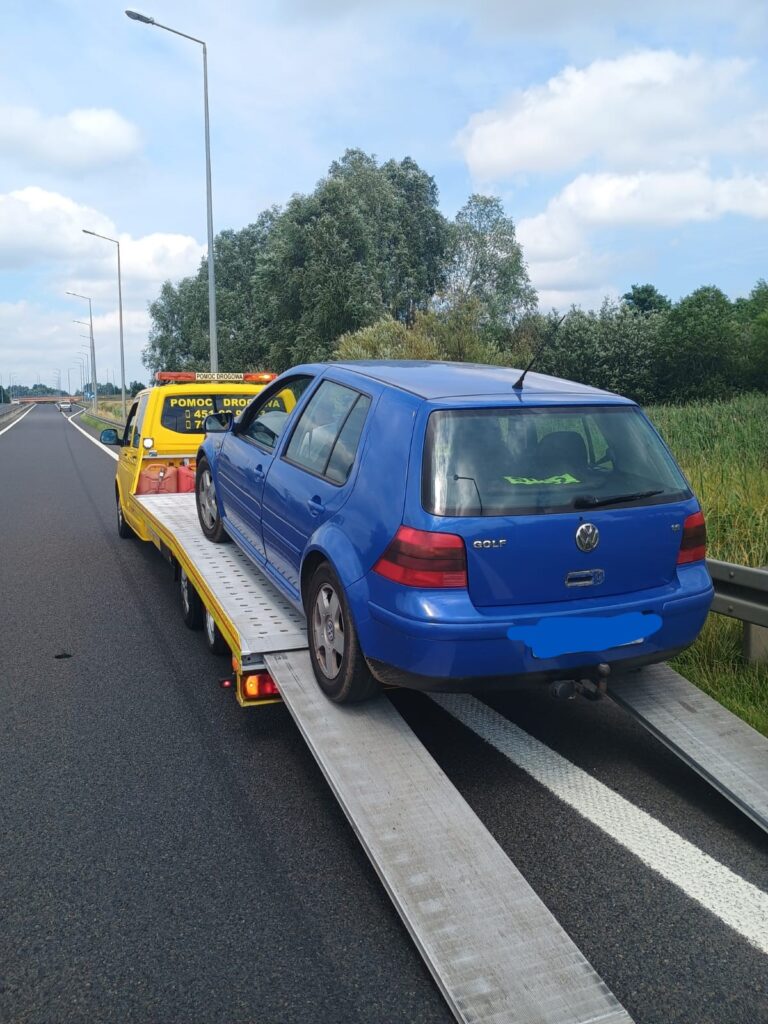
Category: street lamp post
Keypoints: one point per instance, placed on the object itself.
(80, 360)
(120, 308)
(93, 346)
(135, 16)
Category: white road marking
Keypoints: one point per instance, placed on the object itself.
(85, 433)
(18, 419)
(736, 902)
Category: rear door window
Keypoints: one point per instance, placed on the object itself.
(327, 435)
(480, 462)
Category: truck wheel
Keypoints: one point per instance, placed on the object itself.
(191, 605)
(123, 529)
(340, 668)
(214, 640)
(207, 505)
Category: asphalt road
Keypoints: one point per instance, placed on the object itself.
(168, 857)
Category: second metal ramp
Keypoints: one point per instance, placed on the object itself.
(496, 952)
(722, 748)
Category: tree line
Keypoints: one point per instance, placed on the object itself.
(366, 266)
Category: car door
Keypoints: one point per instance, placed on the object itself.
(246, 454)
(130, 453)
(311, 480)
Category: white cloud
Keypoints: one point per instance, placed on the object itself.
(558, 242)
(81, 140)
(42, 230)
(644, 109)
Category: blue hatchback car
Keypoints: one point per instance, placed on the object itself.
(445, 528)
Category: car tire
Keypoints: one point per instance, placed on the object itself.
(191, 605)
(207, 504)
(338, 662)
(214, 641)
(123, 529)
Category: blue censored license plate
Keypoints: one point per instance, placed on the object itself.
(556, 635)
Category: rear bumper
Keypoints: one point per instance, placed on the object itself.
(463, 648)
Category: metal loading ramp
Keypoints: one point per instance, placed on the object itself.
(496, 952)
(722, 748)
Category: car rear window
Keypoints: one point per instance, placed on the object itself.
(492, 462)
(185, 414)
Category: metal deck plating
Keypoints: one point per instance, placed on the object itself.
(496, 952)
(264, 620)
(722, 748)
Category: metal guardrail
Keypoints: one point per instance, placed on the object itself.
(103, 419)
(740, 592)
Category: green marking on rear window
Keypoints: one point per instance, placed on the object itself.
(564, 478)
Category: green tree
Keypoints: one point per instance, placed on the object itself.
(485, 265)
(367, 243)
(135, 387)
(696, 357)
(646, 298)
(751, 344)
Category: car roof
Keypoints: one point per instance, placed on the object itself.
(437, 380)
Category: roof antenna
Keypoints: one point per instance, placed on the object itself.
(518, 385)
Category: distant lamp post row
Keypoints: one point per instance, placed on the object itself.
(135, 16)
(89, 325)
(120, 307)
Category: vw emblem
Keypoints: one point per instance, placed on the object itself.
(587, 537)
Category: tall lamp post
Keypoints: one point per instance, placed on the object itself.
(135, 16)
(120, 307)
(80, 360)
(93, 346)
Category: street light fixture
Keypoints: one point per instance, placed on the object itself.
(120, 307)
(93, 346)
(146, 20)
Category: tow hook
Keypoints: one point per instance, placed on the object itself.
(595, 689)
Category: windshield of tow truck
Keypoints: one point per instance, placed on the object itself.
(185, 414)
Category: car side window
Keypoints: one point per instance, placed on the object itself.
(345, 448)
(139, 421)
(128, 431)
(327, 434)
(265, 419)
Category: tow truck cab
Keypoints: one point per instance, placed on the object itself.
(164, 430)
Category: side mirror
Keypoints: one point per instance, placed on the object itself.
(109, 436)
(218, 423)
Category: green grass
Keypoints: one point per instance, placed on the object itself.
(723, 449)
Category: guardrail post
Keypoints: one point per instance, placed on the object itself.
(754, 644)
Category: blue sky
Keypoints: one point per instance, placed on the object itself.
(629, 142)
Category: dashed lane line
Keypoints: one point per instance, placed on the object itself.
(738, 903)
(18, 420)
(85, 433)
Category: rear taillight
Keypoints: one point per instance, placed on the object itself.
(419, 558)
(693, 546)
(256, 685)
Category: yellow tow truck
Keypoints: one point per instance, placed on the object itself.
(165, 427)
(220, 591)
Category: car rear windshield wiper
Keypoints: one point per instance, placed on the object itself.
(590, 501)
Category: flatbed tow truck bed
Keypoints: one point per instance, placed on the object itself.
(495, 951)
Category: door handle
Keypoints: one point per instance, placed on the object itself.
(315, 506)
(258, 473)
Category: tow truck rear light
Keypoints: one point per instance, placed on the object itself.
(693, 546)
(421, 558)
(259, 684)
